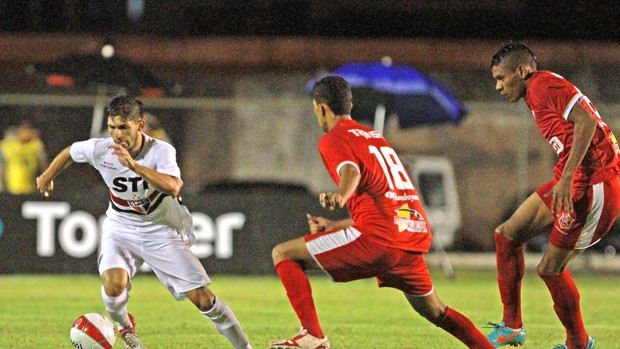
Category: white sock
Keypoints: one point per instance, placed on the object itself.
(226, 323)
(116, 307)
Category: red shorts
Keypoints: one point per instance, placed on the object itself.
(348, 255)
(595, 209)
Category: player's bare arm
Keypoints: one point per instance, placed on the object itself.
(165, 183)
(584, 127)
(45, 182)
(318, 224)
(349, 180)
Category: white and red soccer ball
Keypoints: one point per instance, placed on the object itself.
(93, 331)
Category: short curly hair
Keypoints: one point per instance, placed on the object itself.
(127, 107)
(334, 91)
(514, 54)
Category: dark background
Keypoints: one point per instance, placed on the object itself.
(581, 38)
(481, 19)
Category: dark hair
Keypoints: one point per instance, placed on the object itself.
(514, 54)
(127, 107)
(335, 92)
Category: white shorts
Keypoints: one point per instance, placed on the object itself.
(165, 251)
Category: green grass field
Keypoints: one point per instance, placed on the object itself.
(36, 311)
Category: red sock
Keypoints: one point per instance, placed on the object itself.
(566, 304)
(463, 329)
(510, 269)
(299, 293)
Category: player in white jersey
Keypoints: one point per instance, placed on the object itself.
(146, 221)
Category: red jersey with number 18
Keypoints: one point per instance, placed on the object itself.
(385, 204)
(551, 99)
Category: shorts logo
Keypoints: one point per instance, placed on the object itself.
(410, 220)
(565, 221)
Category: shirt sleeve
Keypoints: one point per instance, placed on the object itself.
(336, 151)
(83, 151)
(555, 94)
(167, 160)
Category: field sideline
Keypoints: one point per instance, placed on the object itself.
(37, 311)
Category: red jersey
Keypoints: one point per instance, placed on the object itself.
(385, 203)
(551, 99)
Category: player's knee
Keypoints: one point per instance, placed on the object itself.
(114, 288)
(506, 230)
(278, 254)
(207, 302)
(502, 230)
(434, 313)
(114, 281)
(549, 269)
(429, 307)
(438, 317)
(203, 298)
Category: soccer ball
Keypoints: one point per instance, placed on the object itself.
(93, 331)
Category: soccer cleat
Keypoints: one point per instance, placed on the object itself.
(591, 344)
(303, 340)
(502, 335)
(129, 336)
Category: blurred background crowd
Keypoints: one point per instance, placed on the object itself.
(225, 82)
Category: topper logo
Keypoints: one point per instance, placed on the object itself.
(79, 232)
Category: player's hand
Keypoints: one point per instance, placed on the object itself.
(44, 185)
(562, 197)
(123, 155)
(317, 224)
(331, 200)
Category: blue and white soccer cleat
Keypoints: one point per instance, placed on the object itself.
(502, 335)
(591, 344)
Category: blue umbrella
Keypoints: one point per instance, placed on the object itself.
(381, 88)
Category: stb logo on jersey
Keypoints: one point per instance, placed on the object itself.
(565, 222)
(410, 220)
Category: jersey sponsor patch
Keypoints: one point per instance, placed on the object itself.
(405, 197)
(108, 165)
(140, 202)
(556, 144)
(137, 205)
(410, 220)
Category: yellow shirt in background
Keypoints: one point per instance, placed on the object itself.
(21, 164)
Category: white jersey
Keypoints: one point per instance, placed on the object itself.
(133, 201)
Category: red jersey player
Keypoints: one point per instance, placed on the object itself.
(578, 206)
(386, 236)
